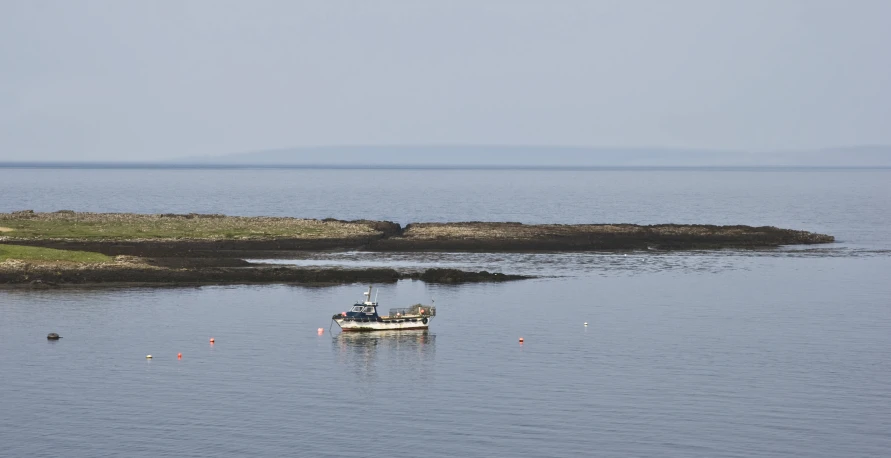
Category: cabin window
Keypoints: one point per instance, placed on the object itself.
(369, 309)
(356, 309)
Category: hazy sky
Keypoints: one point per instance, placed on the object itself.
(141, 80)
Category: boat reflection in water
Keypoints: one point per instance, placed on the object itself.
(397, 351)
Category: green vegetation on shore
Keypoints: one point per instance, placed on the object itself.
(129, 226)
(29, 253)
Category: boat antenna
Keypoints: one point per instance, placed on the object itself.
(375, 295)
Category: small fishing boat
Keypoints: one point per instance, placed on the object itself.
(363, 316)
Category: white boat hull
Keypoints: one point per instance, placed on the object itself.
(386, 325)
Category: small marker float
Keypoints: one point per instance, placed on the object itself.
(148, 356)
(586, 323)
(53, 336)
(179, 356)
(521, 340)
(212, 340)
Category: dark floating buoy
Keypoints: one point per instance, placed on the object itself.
(53, 336)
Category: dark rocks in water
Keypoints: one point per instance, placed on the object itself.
(152, 275)
(460, 276)
(53, 336)
(492, 237)
(177, 274)
(41, 284)
(386, 236)
(224, 248)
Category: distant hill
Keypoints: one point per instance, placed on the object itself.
(459, 156)
(544, 156)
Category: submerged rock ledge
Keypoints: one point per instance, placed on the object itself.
(219, 236)
(125, 270)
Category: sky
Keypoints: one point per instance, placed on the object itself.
(140, 81)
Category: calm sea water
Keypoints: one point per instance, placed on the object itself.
(709, 354)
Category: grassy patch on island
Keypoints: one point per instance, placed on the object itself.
(28, 253)
(129, 226)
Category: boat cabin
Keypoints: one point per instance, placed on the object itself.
(364, 309)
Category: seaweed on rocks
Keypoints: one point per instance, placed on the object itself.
(142, 274)
(460, 276)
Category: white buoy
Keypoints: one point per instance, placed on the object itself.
(586, 323)
(148, 356)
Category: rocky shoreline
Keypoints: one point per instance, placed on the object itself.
(190, 249)
(149, 272)
(526, 238)
(218, 236)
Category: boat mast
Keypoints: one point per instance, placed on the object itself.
(368, 296)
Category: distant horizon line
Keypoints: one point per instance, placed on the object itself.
(124, 165)
(602, 148)
(563, 146)
(254, 158)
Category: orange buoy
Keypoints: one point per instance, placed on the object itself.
(211, 340)
(179, 356)
(321, 331)
(521, 340)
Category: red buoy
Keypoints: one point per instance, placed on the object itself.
(179, 356)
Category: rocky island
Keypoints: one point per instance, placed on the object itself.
(67, 247)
